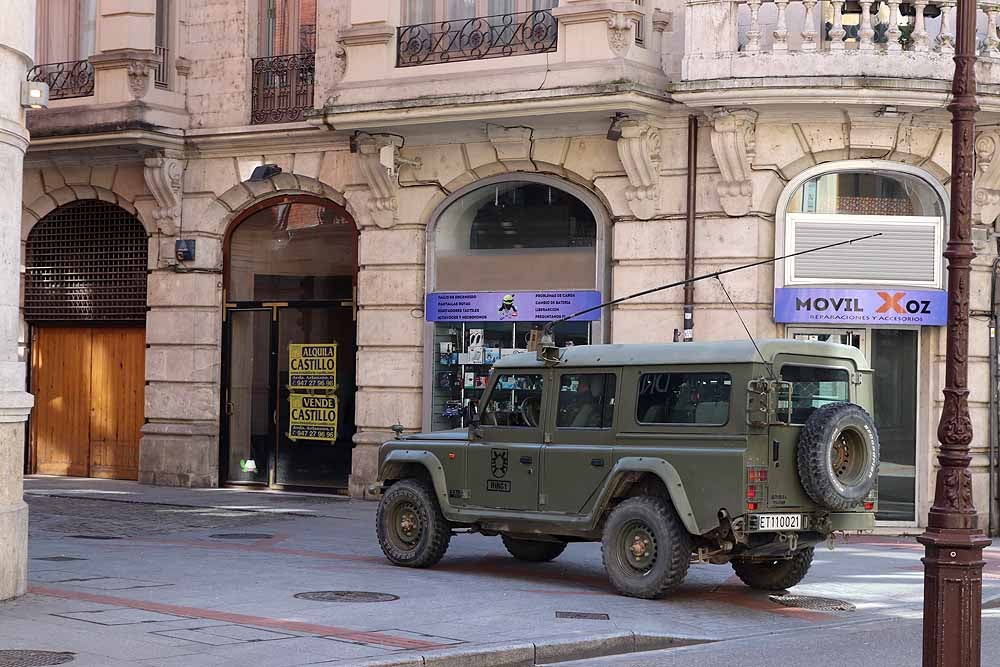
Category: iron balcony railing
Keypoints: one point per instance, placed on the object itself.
(477, 38)
(74, 78)
(282, 88)
(161, 78)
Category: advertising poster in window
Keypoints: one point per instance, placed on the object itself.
(312, 417)
(312, 366)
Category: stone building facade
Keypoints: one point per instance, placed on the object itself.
(334, 190)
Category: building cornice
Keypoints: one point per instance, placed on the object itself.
(432, 110)
(839, 91)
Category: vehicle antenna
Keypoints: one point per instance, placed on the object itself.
(770, 371)
(548, 340)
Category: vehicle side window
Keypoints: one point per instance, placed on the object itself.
(814, 387)
(516, 400)
(586, 400)
(684, 398)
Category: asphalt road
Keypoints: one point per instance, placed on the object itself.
(122, 574)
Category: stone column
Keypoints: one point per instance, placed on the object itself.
(17, 45)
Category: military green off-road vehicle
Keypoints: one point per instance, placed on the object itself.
(712, 452)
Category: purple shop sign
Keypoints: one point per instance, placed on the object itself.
(511, 306)
(861, 306)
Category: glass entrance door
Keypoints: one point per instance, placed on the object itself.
(248, 401)
(289, 394)
(892, 354)
(313, 443)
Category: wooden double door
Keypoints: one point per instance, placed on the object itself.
(89, 401)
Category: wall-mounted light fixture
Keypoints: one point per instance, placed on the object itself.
(614, 131)
(264, 172)
(887, 111)
(34, 95)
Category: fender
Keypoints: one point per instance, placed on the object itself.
(428, 461)
(667, 473)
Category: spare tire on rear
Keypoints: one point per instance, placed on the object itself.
(838, 453)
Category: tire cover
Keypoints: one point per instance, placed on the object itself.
(813, 455)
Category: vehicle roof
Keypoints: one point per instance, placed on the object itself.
(720, 352)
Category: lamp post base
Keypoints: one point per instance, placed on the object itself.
(953, 591)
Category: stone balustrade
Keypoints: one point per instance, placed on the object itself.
(808, 38)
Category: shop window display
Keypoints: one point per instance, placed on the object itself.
(465, 354)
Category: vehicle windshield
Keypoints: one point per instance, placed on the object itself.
(516, 400)
(814, 387)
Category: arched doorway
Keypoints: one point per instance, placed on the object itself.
(886, 296)
(85, 301)
(289, 345)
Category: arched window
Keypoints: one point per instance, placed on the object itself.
(905, 209)
(292, 250)
(507, 255)
(516, 235)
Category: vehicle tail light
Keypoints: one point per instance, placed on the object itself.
(751, 506)
(751, 492)
(870, 499)
(756, 474)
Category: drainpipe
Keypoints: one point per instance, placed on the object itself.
(692, 192)
(994, 442)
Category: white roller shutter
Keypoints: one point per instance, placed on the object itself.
(907, 253)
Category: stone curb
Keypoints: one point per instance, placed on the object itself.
(542, 651)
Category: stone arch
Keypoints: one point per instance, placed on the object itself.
(44, 204)
(498, 168)
(237, 199)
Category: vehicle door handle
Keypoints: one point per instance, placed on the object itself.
(526, 460)
(597, 463)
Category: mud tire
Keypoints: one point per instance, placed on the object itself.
(777, 574)
(425, 543)
(645, 518)
(838, 483)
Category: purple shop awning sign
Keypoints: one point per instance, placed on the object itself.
(510, 306)
(861, 306)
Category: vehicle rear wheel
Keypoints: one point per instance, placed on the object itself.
(411, 529)
(645, 548)
(774, 574)
(535, 551)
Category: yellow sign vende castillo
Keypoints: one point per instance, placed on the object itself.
(312, 417)
(312, 366)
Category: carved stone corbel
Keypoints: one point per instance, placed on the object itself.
(619, 32)
(734, 143)
(138, 78)
(382, 205)
(164, 179)
(986, 196)
(639, 151)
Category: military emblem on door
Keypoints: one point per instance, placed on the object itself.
(498, 463)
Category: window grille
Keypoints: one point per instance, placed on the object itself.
(86, 261)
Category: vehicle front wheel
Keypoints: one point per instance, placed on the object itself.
(411, 529)
(775, 574)
(645, 547)
(535, 551)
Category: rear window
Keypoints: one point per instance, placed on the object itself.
(813, 388)
(684, 398)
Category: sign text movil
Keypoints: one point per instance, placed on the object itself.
(860, 306)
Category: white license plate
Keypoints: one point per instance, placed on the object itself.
(779, 522)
